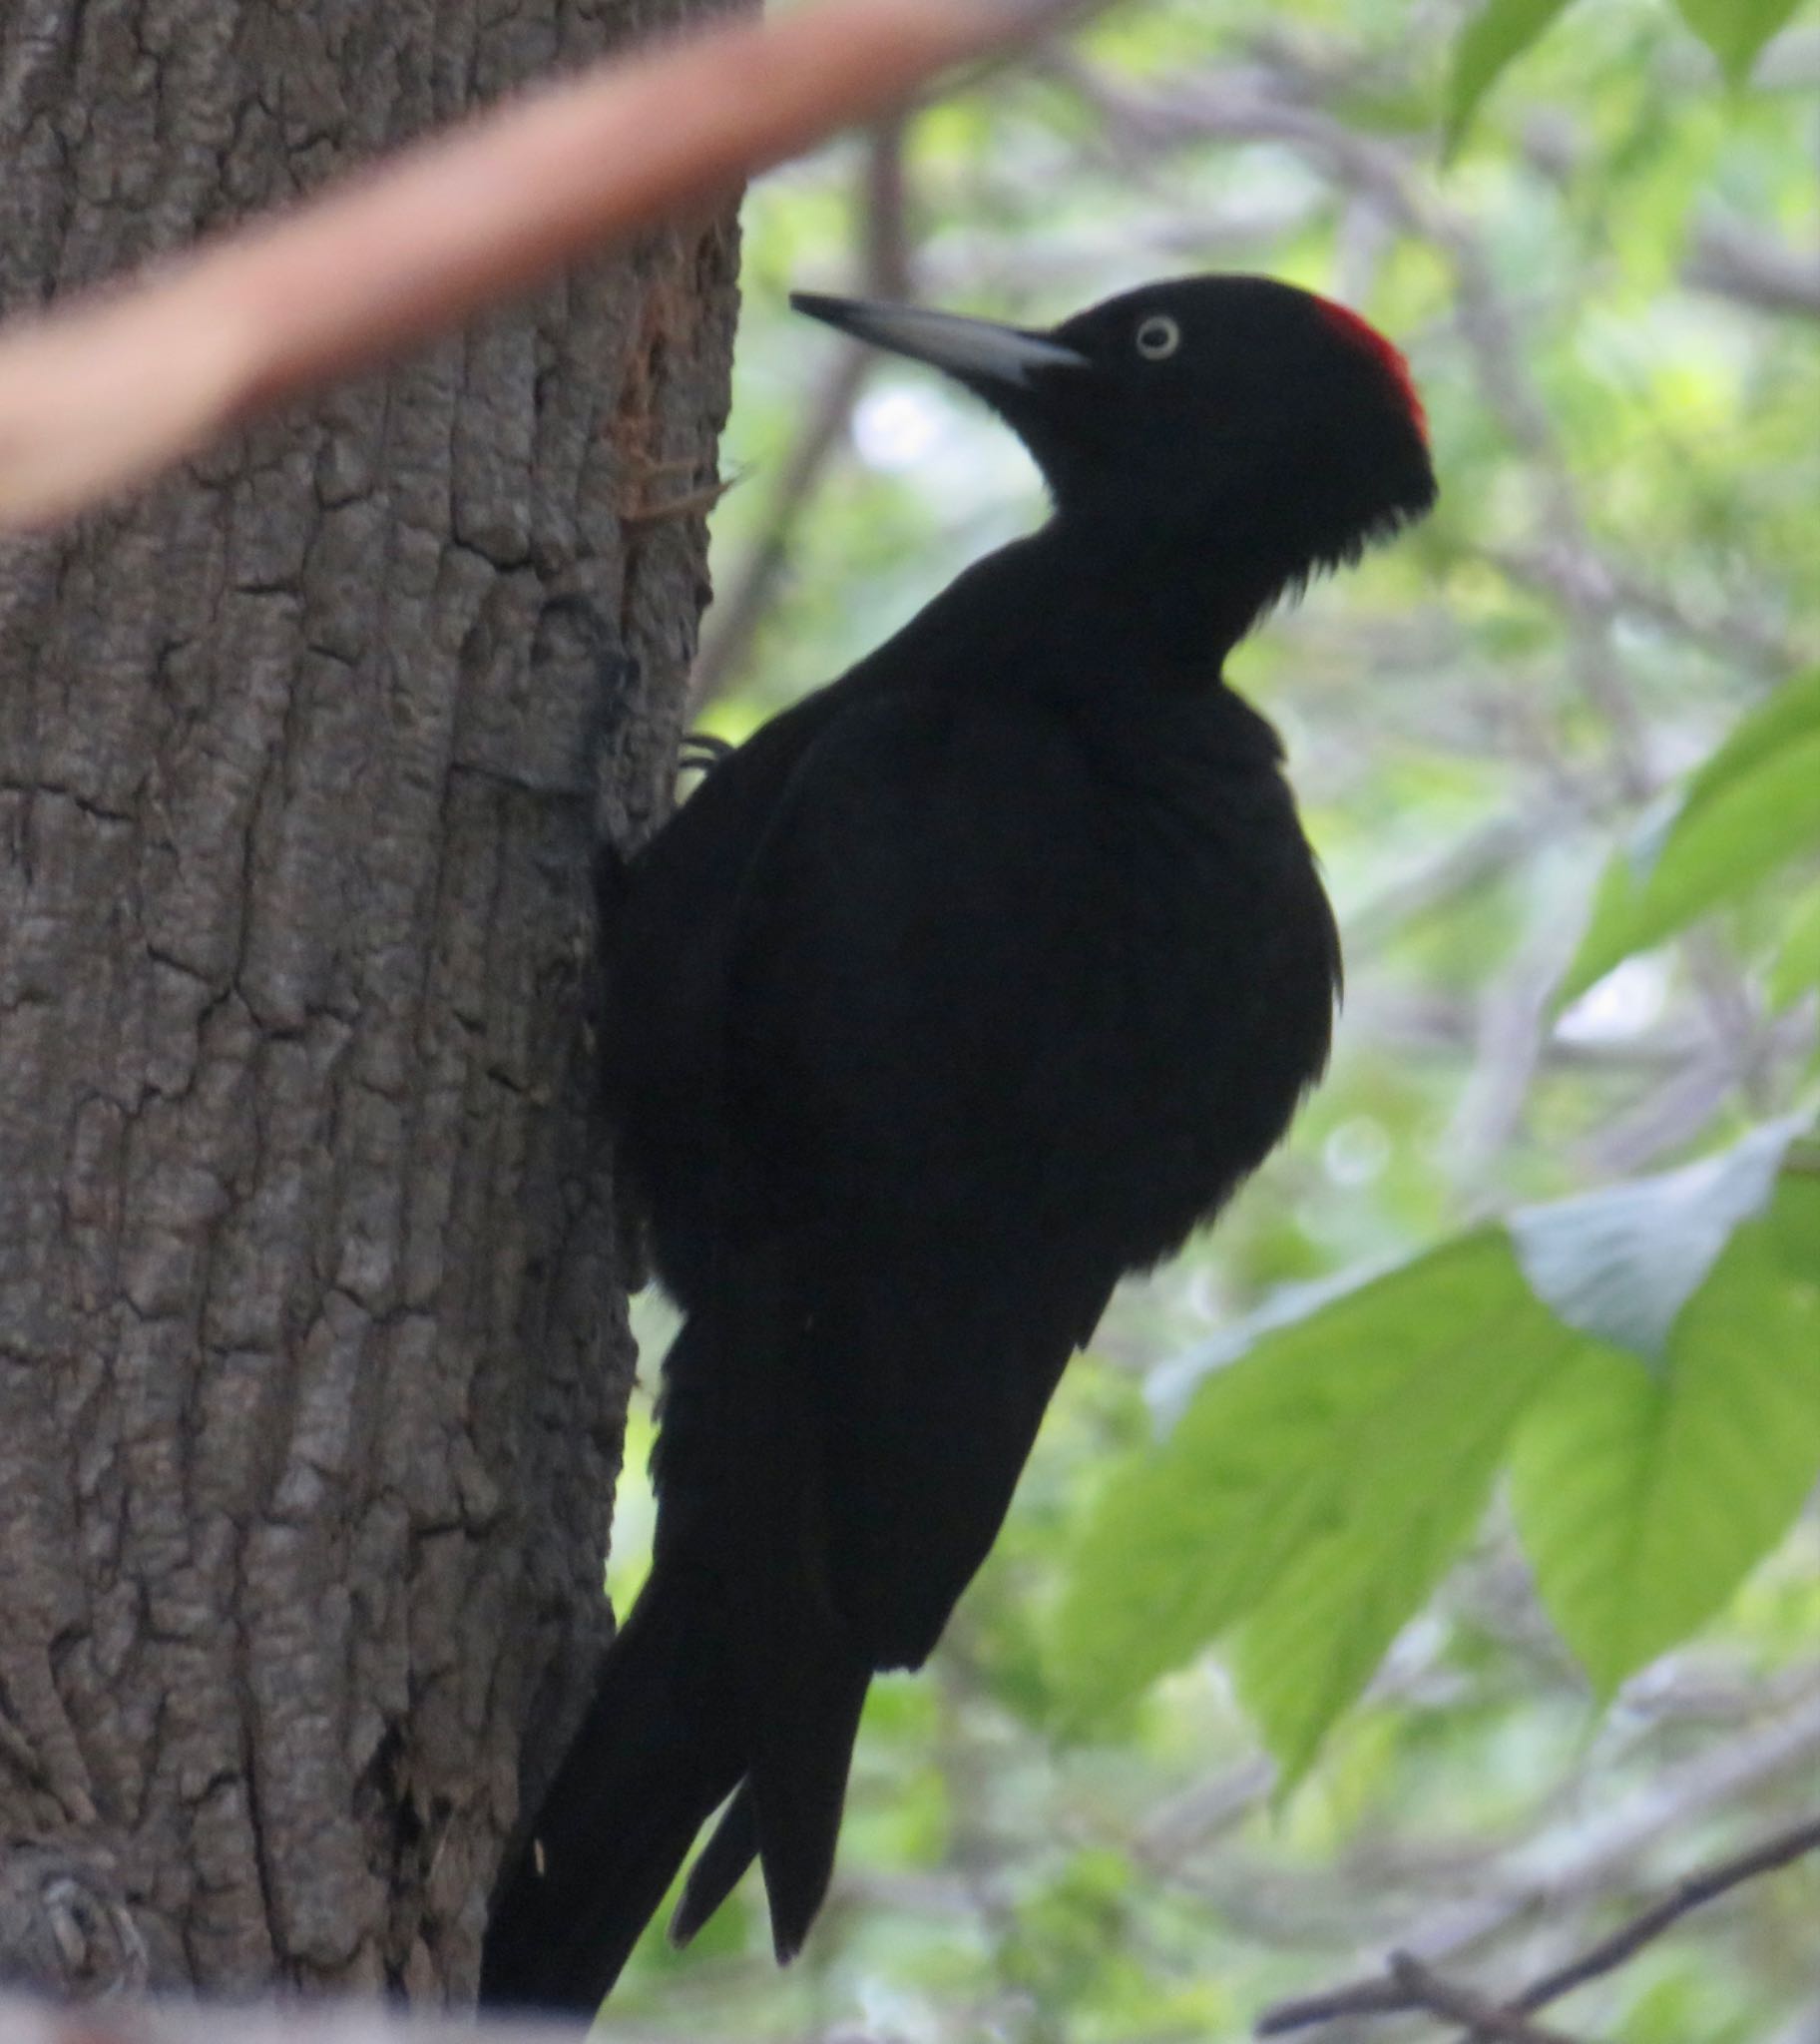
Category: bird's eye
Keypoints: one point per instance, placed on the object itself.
(1159, 337)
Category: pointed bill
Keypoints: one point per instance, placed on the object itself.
(975, 351)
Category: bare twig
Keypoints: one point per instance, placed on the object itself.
(1379, 1996)
(1408, 1986)
(1735, 634)
(1690, 1892)
(108, 391)
(1736, 262)
(1436, 1996)
(738, 614)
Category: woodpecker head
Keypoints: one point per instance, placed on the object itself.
(1242, 417)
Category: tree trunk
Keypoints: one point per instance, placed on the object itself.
(312, 1346)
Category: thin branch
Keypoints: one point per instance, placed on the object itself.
(737, 616)
(1736, 262)
(1693, 1892)
(1407, 1986)
(1378, 1996)
(1435, 1996)
(1734, 635)
(115, 387)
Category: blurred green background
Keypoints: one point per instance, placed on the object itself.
(1419, 1561)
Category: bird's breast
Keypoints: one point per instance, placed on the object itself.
(1212, 977)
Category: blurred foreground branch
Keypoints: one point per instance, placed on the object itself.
(180, 2022)
(108, 391)
(1408, 1987)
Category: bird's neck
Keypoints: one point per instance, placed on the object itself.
(1192, 595)
(1102, 599)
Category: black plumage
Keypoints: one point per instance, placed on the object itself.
(971, 983)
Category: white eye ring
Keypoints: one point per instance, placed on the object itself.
(1159, 337)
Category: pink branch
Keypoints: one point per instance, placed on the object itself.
(114, 388)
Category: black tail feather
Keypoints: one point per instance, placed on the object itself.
(733, 1673)
(800, 1786)
(719, 1865)
(663, 1744)
(787, 1810)
(645, 1771)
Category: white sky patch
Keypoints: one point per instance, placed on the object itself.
(1629, 998)
(1356, 1152)
(896, 428)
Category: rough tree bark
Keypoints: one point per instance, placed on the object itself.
(313, 1354)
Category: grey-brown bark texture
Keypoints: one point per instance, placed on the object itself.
(312, 1352)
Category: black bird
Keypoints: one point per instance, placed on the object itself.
(970, 983)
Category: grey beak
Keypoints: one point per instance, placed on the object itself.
(977, 352)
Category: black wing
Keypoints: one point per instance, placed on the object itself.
(921, 983)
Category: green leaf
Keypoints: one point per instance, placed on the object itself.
(1785, 718)
(1797, 965)
(1362, 1435)
(1423, 1463)
(1495, 36)
(1752, 807)
(1643, 1500)
(1622, 1263)
(1735, 30)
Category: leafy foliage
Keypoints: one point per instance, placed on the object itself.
(1752, 809)
(1644, 1496)
(1496, 35)
(1735, 30)
(1648, 1359)
(1315, 1489)
(1440, 1530)
(1501, 30)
